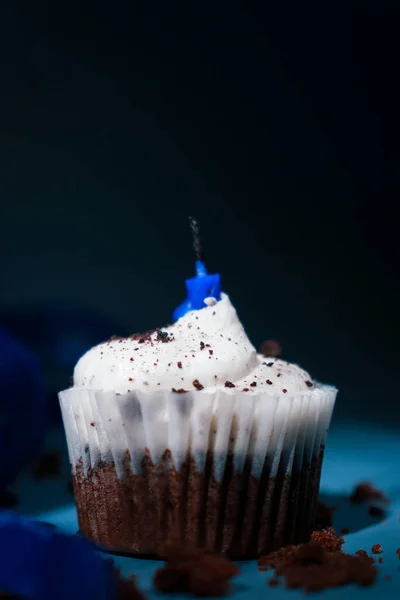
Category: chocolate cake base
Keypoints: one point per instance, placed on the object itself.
(241, 516)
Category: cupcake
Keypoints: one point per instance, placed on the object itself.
(187, 435)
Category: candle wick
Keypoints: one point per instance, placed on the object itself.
(197, 241)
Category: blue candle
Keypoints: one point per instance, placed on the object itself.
(203, 285)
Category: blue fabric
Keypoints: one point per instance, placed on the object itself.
(39, 563)
(22, 407)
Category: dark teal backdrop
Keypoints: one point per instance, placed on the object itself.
(276, 129)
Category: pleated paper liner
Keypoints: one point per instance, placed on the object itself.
(235, 473)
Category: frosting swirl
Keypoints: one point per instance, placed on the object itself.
(204, 350)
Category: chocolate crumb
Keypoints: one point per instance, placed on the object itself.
(126, 589)
(279, 374)
(195, 571)
(229, 384)
(92, 424)
(180, 391)
(245, 389)
(376, 549)
(269, 382)
(271, 348)
(197, 385)
(47, 466)
(380, 560)
(179, 365)
(253, 384)
(362, 553)
(364, 492)
(211, 352)
(284, 390)
(328, 539)
(309, 384)
(311, 567)
(202, 345)
(275, 559)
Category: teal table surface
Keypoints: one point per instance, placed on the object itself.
(354, 453)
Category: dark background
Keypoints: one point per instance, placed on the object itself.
(276, 127)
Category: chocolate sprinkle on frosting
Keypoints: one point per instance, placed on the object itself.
(229, 384)
(197, 385)
(162, 336)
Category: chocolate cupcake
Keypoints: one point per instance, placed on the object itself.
(187, 435)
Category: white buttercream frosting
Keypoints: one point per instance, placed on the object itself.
(204, 350)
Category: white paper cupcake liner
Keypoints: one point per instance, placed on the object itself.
(259, 439)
